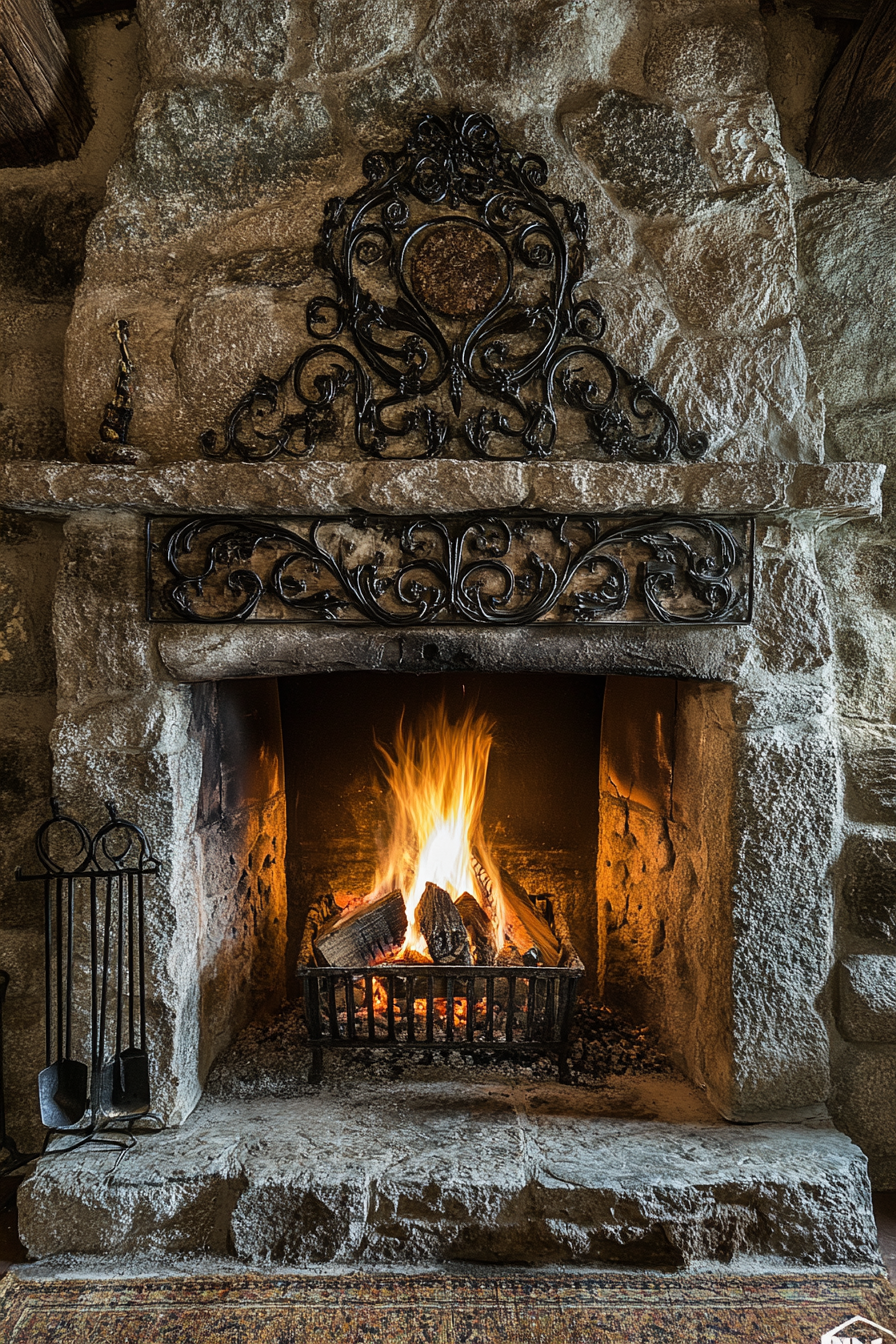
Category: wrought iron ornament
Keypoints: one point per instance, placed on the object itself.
(118, 413)
(454, 315)
(482, 569)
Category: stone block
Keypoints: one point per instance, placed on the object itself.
(740, 142)
(31, 420)
(200, 150)
(791, 613)
(381, 106)
(868, 865)
(645, 152)
(848, 294)
(355, 34)
(865, 681)
(513, 56)
(228, 338)
(24, 798)
(639, 322)
(868, 434)
(216, 38)
(439, 1171)
(102, 641)
(783, 825)
(868, 999)
(688, 59)
(28, 565)
(734, 272)
(862, 1103)
(747, 392)
(869, 755)
(871, 575)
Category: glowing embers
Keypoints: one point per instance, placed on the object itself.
(438, 898)
(411, 1007)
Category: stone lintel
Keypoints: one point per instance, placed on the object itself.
(803, 492)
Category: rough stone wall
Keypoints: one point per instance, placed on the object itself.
(657, 116)
(44, 215)
(846, 240)
(29, 556)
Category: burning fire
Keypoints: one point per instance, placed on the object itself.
(436, 780)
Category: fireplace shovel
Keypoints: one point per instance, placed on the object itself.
(62, 1087)
(125, 1085)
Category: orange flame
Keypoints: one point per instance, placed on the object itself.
(436, 779)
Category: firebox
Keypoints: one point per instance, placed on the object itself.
(447, 824)
(464, 853)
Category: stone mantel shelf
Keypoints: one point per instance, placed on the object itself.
(806, 492)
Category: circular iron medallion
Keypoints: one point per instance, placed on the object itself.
(457, 270)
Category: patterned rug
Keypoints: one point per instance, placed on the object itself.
(450, 1308)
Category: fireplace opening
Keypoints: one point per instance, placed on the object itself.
(450, 834)
(595, 852)
(395, 782)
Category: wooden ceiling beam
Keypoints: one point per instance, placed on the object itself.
(853, 132)
(44, 111)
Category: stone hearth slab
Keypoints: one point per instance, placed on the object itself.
(429, 1171)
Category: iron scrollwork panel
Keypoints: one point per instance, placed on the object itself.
(454, 312)
(483, 569)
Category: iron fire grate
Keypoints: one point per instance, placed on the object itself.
(511, 1010)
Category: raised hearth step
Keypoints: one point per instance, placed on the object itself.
(427, 1171)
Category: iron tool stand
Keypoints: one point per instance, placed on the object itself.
(94, 921)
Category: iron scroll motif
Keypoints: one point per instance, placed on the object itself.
(511, 569)
(454, 313)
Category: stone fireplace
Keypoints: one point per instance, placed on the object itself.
(250, 590)
(714, 783)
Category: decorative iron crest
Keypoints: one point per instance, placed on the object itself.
(471, 569)
(454, 314)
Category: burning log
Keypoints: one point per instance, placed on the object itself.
(322, 911)
(414, 958)
(509, 956)
(526, 927)
(443, 928)
(484, 883)
(370, 932)
(479, 928)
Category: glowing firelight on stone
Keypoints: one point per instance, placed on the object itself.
(436, 788)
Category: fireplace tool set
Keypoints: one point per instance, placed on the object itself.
(94, 892)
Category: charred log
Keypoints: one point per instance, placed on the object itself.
(443, 928)
(323, 911)
(480, 931)
(528, 929)
(364, 935)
